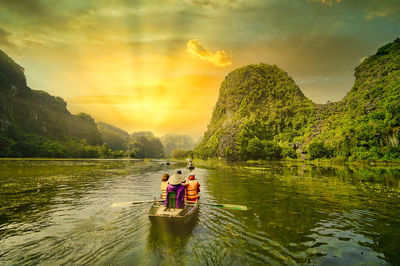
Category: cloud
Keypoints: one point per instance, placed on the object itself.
(4, 39)
(220, 58)
(378, 9)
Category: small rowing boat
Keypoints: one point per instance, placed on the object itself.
(158, 212)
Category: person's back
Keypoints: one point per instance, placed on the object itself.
(193, 189)
(164, 185)
(175, 185)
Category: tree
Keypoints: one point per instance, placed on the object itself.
(145, 146)
(179, 154)
(319, 150)
(105, 152)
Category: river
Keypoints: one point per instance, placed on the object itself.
(56, 212)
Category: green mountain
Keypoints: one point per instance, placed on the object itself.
(262, 114)
(143, 144)
(175, 141)
(35, 124)
(115, 138)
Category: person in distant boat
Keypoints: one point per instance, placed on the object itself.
(164, 185)
(192, 189)
(176, 184)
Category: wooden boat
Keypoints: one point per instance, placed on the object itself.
(159, 213)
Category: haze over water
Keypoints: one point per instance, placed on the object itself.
(59, 212)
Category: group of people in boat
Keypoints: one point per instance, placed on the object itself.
(189, 164)
(185, 190)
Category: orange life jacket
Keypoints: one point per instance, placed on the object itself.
(191, 190)
(164, 185)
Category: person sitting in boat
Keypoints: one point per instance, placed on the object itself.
(164, 185)
(177, 184)
(192, 189)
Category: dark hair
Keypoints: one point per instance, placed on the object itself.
(165, 177)
(179, 172)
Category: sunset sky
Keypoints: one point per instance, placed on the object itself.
(157, 65)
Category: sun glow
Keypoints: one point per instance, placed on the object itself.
(157, 65)
(142, 93)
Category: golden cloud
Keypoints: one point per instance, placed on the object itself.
(220, 58)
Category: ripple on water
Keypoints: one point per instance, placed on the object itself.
(292, 220)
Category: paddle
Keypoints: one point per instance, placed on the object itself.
(224, 206)
(129, 203)
(227, 206)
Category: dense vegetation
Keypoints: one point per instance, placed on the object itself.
(143, 144)
(115, 138)
(181, 154)
(35, 124)
(262, 114)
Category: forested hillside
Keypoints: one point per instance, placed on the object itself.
(36, 124)
(115, 138)
(143, 144)
(173, 142)
(262, 114)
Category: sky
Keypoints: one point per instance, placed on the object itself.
(158, 64)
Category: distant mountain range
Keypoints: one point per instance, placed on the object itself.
(262, 114)
(34, 123)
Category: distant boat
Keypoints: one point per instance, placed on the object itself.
(189, 164)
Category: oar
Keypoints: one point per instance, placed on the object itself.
(129, 203)
(226, 206)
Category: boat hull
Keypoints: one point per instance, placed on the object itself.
(159, 213)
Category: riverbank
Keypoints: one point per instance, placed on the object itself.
(212, 163)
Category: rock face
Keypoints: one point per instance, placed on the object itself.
(260, 106)
(28, 115)
(255, 101)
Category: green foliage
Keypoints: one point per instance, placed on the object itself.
(144, 145)
(259, 105)
(104, 151)
(5, 145)
(56, 150)
(34, 123)
(115, 138)
(318, 150)
(12, 77)
(288, 152)
(179, 154)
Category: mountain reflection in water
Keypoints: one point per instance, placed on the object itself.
(59, 212)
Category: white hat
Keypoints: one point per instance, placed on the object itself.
(176, 179)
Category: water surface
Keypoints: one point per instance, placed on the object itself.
(59, 212)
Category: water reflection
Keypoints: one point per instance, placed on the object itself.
(298, 214)
(167, 241)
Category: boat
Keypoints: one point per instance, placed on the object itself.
(159, 213)
(189, 164)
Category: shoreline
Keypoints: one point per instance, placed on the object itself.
(221, 162)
